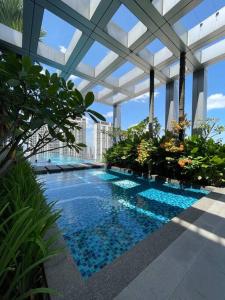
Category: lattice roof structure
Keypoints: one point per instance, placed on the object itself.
(93, 19)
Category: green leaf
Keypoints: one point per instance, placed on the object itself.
(79, 96)
(81, 145)
(93, 118)
(96, 114)
(26, 62)
(89, 99)
(13, 82)
(70, 85)
(39, 291)
(194, 150)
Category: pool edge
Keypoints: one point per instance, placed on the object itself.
(63, 275)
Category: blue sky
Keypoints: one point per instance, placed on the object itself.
(136, 110)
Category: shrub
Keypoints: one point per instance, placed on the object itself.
(198, 159)
(24, 220)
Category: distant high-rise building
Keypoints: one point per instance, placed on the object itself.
(102, 138)
(80, 137)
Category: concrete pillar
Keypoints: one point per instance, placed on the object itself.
(116, 120)
(171, 104)
(199, 99)
(116, 116)
(151, 102)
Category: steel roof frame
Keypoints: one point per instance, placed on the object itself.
(92, 19)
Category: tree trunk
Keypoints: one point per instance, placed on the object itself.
(151, 103)
(182, 93)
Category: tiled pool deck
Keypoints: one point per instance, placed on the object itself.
(176, 262)
(193, 266)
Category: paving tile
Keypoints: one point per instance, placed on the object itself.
(204, 277)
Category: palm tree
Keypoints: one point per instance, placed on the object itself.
(182, 93)
(151, 103)
(11, 14)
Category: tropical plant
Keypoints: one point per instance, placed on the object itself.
(197, 159)
(30, 100)
(146, 154)
(11, 14)
(25, 218)
(181, 132)
(128, 151)
(210, 128)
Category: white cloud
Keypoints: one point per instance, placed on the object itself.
(108, 114)
(133, 125)
(73, 77)
(62, 49)
(216, 101)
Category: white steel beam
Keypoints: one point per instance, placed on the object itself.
(92, 20)
(32, 20)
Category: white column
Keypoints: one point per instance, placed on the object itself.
(116, 116)
(116, 119)
(172, 104)
(199, 99)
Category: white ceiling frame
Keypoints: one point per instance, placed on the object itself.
(92, 18)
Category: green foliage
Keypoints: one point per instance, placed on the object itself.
(24, 220)
(31, 99)
(210, 128)
(11, 14)
(207, 160)
(198, 159)
(125, 152)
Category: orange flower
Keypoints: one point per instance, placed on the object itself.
(181, 147)
(182, 162)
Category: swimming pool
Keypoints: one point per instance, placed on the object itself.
(106, 213)
(56, 159)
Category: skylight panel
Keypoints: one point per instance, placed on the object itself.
(125, 68)
(95, 54)
(155, 46)
(212, 43)
(197, 15)
(124, 18)
(49, 68)
(54, 27)
(97, 88)
(76, 79)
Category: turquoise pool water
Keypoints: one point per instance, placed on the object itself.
(43, 160)
(104, 214)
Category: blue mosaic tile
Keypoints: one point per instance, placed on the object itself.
(103, 217)
(126, 184)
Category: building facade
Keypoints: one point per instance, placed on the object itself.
(102, 138)
(55, 146)
(80, 137)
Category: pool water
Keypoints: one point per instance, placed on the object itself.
(56, 159)
(105, 213)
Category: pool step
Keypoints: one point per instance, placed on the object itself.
(63, 168)
(53, 168)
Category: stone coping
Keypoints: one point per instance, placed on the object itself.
(50, 168)
(160, 178)
(63, 275)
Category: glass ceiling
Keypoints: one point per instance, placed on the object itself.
(111, 48)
